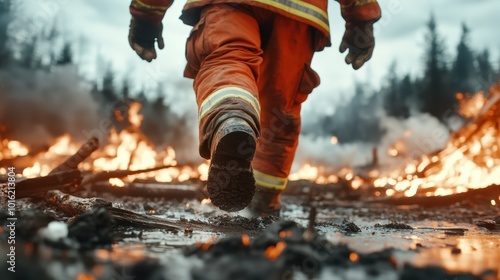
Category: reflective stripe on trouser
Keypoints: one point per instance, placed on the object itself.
(225, 93)
(263, 55)
(268, 181)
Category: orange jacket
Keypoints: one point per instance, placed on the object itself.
(312, 12)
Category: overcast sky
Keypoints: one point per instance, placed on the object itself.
(399, 36)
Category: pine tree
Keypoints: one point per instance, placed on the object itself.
(29, 57)
(108, 88)
(434, 92)
(395, 103)
(407, 88)
(126, 89)
(486, 71)
(5, 18)
(463, 72)
(66, 56)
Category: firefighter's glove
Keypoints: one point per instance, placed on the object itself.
(358, 38)
(142, 36)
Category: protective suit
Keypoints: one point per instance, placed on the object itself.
(251, 59)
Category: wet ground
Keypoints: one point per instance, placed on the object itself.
(351, 240)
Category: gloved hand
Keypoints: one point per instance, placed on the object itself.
(142, 36)
(358, 38)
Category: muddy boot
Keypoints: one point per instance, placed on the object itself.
(266, 202)
(231, 184)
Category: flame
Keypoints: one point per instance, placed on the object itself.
(128, 149)
(133, 114)
(11, 149)
(117, 182)
(471, 159)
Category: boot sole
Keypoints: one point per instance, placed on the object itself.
(231, 184)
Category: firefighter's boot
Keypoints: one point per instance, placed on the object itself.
(266, 202)
(231, 184)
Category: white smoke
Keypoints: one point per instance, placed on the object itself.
(37, 106)
(418, 135)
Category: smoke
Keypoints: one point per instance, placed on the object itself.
(413, 137)
(39, 105)
(174, 121)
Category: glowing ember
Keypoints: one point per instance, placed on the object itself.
(206, 201)
(85, 276)
(273, 252)
(117, 182)
(245, 240)
(392, 152)
(493, 202)
(353, 257)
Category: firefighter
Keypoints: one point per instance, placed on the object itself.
(250, 61)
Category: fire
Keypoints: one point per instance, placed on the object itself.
(470, 160)
(133, 114)
(11, 149)
(127, 149)
(117, 182)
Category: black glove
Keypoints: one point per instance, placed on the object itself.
(358, 38)
(142, 36)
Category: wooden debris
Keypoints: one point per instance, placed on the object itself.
(106, 175)
(84, 152)
(36, 186)
(137, 189)
(72, 205)
(440, 201)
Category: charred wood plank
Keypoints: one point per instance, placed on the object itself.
(72, 205)
(73, 161)
(136, 189)
(106, 175)
(35, 186)
(487, 193)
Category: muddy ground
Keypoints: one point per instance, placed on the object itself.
(351, 239)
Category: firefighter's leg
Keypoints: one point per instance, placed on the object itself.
(224, 56)
(285, 81)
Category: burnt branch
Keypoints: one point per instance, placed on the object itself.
(73, 161)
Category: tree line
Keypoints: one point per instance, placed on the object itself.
(402, 95)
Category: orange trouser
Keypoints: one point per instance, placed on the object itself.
(255, 64)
